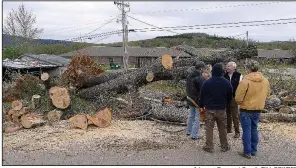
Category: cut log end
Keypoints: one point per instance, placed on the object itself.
(149, 77)
(78, 121)
(31, 120)
(17, 105)
(54, 116)
(60, 97)
(167, 61)
(44, 76)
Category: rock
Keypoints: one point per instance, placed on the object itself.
(286, 110)
(273, 102)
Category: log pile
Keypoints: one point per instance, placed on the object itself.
(21, 117)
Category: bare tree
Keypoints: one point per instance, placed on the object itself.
(20, 23)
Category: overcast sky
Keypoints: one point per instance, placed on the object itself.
(67, 20)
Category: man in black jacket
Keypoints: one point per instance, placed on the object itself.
(193, 86)
(232, 108)
(215, 94)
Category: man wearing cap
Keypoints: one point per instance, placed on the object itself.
(216, 92)
(232, 108)
(193, 87)
(251, 95)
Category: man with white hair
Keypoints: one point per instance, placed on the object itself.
(232, 108)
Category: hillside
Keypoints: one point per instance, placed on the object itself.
(201, 40)
(198, 40)
(13, 47)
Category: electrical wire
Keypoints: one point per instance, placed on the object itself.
(217, 27)
(219, 24)
(209, 8)
(76, 25)
(151, 24)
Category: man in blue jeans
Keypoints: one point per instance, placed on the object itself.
(251, 95)
(193, 86)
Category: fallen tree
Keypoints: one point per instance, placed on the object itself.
(135, 79)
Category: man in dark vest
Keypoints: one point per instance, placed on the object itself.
(232, 108)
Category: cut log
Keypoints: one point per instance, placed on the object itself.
(17, 105)
(167, 61)
(78, 121)
(15, 118)
(280, 117)
(60, 97)
(44, 76)
(11, 129)
(54, 116)
(31, 120)
(136, 79)
(10, 113)
(36, 101)
(101, 119)
(25, 110)
(149, 77)
(168, 112)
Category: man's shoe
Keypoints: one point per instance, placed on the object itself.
(236, 135)
(187, 134)
(229, 131)
(196, 138)
(254, 154)
(244, 155)
(207, 150)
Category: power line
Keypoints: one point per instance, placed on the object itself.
(217, 27)
(209, 8)
(219, 24)
(100, 26)
(77, 29)
(151, 24)
(76, 25)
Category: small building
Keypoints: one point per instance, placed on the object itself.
(36, 64)
(138, 56)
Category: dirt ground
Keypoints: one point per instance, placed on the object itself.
(140, 142)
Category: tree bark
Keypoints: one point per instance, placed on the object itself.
(131, 81)
(278, 117)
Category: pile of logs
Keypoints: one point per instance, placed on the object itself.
(21, 117)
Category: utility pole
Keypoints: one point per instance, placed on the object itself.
(124, 7)
(247, 38)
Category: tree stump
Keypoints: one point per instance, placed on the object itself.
(36, 101)
(60, 97)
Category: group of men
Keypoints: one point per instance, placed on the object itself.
(227, 97)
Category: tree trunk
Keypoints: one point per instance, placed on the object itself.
(137, 78)
(85, 81)
(36, 101)
(280, 117)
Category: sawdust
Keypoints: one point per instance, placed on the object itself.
(137, 135)
(287, 130)
(123, 135)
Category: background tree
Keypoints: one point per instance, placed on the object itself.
(20, 25)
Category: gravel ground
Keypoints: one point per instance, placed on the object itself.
(140, 143)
